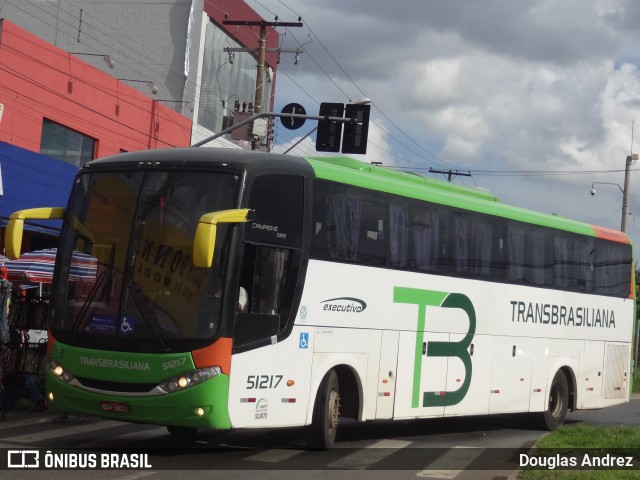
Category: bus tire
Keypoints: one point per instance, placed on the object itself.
(183, 433)
(321, 434)
(558, 402)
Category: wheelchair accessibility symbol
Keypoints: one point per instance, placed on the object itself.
(128, 325)
(304, 340)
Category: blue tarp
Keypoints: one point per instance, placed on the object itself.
(31, 180)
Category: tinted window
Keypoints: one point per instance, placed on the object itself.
(612, 268)
(529, 255)
(573, 263)
(277, 201)
(356, 225)
(414, 236)
(349, 224)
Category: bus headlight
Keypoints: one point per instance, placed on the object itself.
(59, 371)
(189, 379)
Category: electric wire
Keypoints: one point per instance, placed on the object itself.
(120, 35)
(343, 92)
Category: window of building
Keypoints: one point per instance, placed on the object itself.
(65, 144)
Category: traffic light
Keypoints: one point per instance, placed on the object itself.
(355, 133)
(329, 132)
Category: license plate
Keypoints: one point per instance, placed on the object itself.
(114, 407)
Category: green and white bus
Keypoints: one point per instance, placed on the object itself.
(240, 289)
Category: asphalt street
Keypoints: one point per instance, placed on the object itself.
(625, 414)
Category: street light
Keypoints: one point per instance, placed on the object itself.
(593, 190)
(150, 84)
(108, 59)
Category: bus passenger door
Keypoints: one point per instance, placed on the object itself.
(387, 374)
(510, 388)
(421, 379)
(467, 388)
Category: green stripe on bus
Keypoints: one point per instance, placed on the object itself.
(395, 183)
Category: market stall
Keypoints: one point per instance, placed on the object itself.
(24, 306)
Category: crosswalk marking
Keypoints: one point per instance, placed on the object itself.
(13, 423)
(62, 432)
(447, 464)
(368, 456)
(458, 456)
(274, 455)
(126, 437)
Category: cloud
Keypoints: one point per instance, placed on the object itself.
(545, 85)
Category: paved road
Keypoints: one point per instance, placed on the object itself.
(627, 414)
(438, 449)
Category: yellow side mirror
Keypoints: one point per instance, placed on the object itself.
(204, 242)
(15, 227)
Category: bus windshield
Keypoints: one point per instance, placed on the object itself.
(137, 229)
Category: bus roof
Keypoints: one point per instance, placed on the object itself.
(355, 172)
(358, 173)
(409, 177)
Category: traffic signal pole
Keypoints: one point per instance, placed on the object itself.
(272, 114)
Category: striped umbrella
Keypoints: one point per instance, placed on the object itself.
(38, 266)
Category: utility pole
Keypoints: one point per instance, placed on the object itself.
(262, 49)
(625, 191)
(450, 173)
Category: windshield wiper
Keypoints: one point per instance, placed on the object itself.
(148, 316)
(106, 291)
(77, 322)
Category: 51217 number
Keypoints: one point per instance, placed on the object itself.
(263, 382)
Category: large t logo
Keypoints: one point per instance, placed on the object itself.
(432, 298)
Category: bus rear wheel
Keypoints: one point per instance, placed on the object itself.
(321, 434)
(558, 402)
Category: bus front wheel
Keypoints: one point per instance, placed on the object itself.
(321, 434)
(558, 402)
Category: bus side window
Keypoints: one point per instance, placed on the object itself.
(473, 244)
(612, 265)
(414, 237)
(573, 262)
(372, 236)
(269, 279)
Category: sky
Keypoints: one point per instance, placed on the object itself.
(537, 99)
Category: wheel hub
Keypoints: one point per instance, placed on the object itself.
(334, 409)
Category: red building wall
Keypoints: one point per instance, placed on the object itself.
(38, 80)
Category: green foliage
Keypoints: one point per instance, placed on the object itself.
(574, 440)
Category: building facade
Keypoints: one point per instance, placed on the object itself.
(81, 80)
(176, 49)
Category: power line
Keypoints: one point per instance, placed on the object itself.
(521, 173)
(352, 81)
